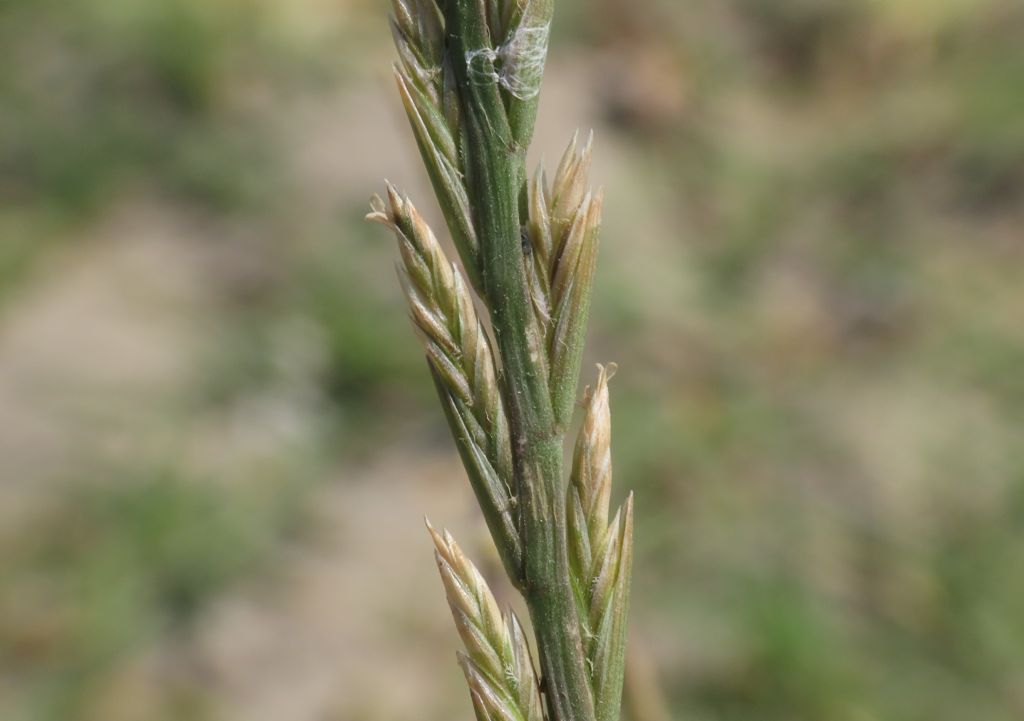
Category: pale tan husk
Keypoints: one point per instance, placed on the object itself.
(497, 661)
(460, 356)
(600, 552)
(563, 229)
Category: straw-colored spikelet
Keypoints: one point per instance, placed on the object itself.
(564, 224)
(600, 553)
(426, 84)
(462, 363)
(497, 662)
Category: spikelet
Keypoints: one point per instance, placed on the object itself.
(426, 86)
(563, 229)
(600, 552)
(462, 363)
(497, 662)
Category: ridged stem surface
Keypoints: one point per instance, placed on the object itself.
(495, 168)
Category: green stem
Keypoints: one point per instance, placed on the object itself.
(494, 166)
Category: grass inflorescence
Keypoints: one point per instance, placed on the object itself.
(469, 77)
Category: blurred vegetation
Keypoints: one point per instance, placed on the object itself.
(813, 280)
(115, 564)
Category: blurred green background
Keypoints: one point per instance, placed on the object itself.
(218, 437)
